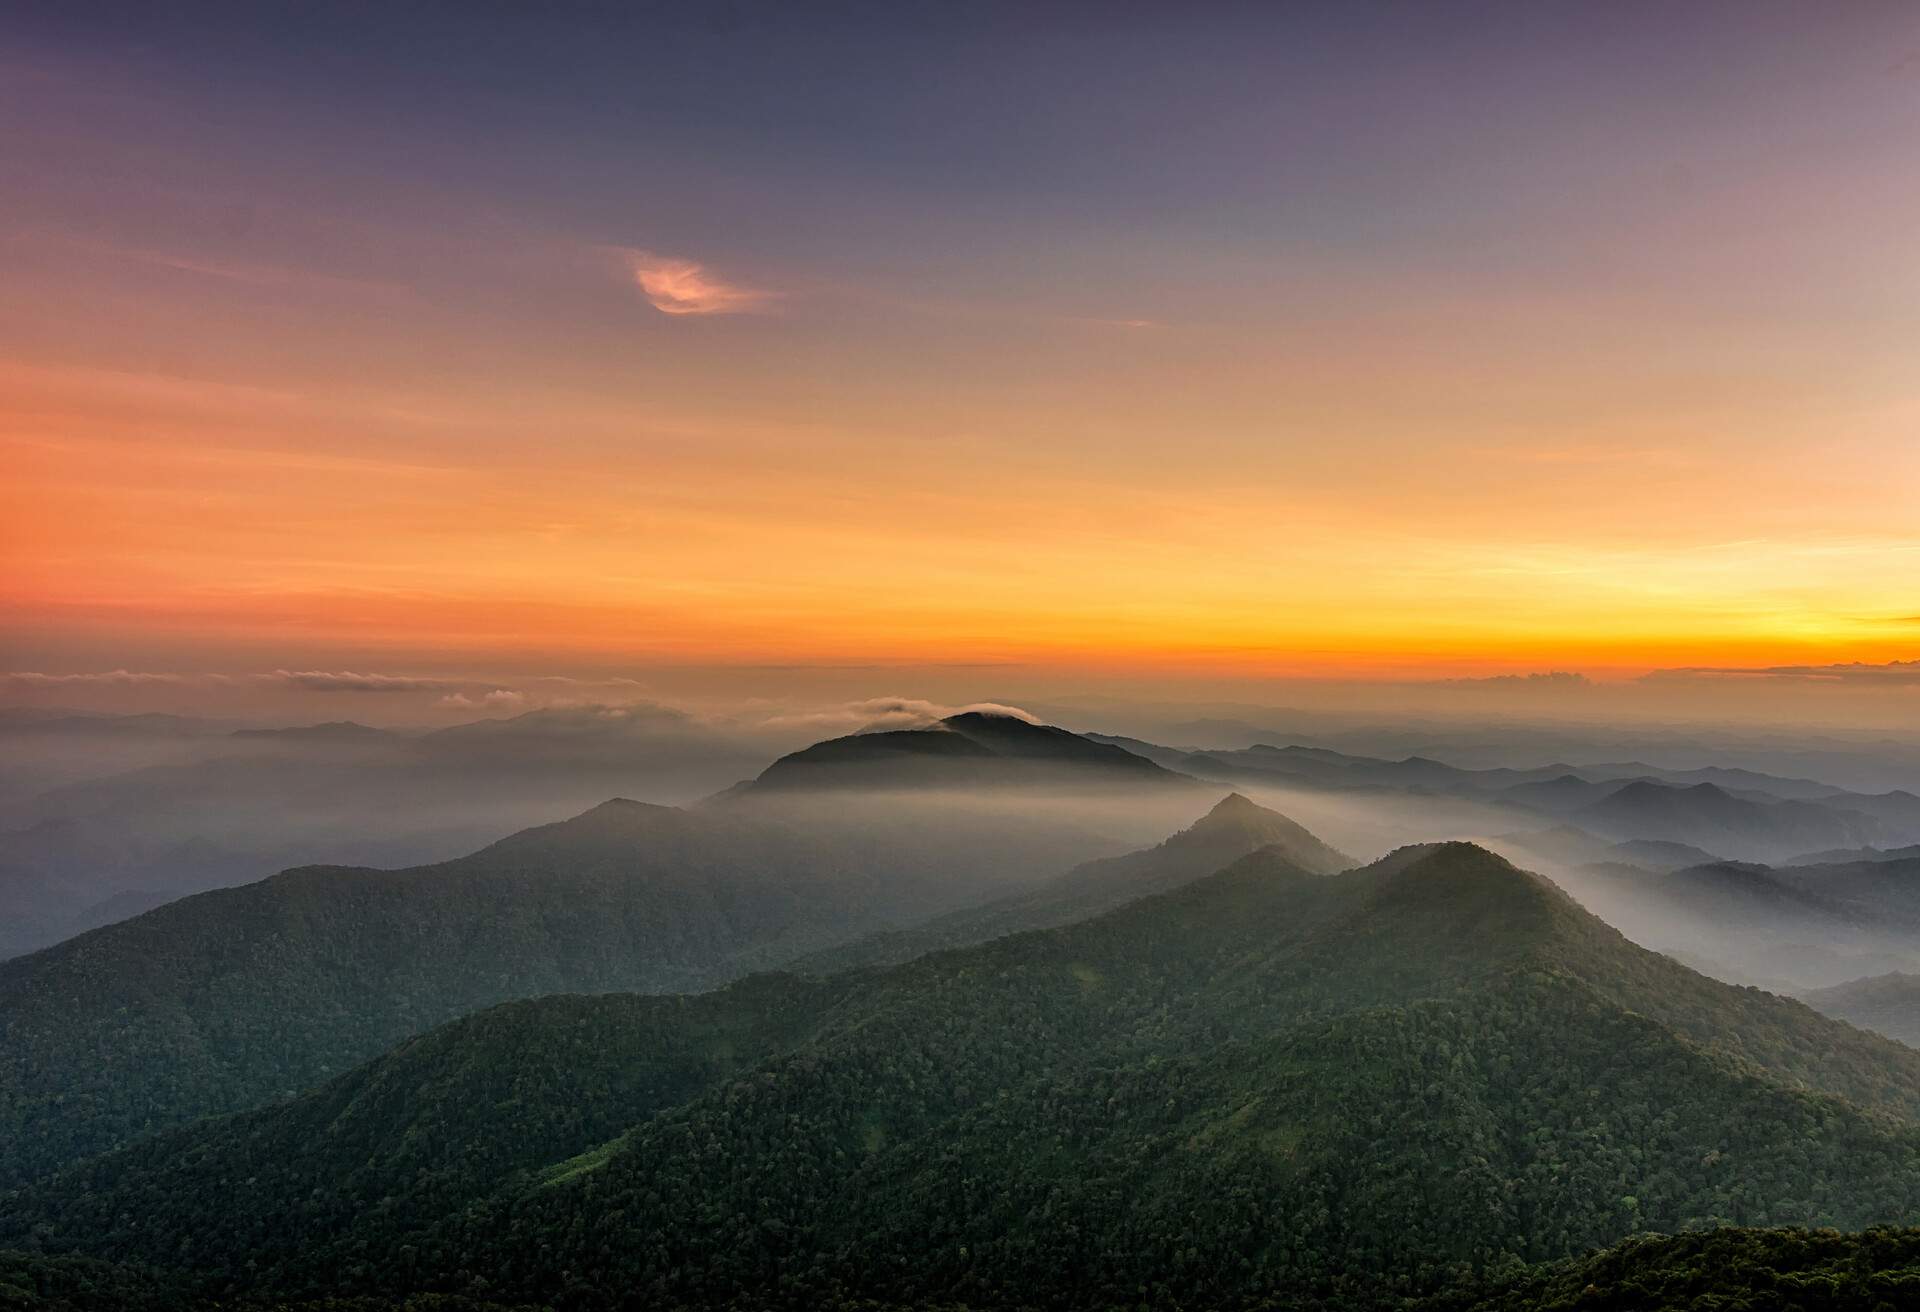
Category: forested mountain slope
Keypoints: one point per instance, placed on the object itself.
(1727, 1269)
(239, 996)
(1886, 1004)
(1234, 828)
(1269, 1083)
(234, 997)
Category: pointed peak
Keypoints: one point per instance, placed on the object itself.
(620, 804)
(1237, 812)
(1640, 789)
(1236, 820)
(614, 813)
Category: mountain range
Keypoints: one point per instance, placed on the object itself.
(1234, 828)
(1265, 1084)
(1731, 813)
(210, 806)
(1887, 1004)
(235, 996)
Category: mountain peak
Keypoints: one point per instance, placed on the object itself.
(1236, 806)
(963, 719)
(1239, 824)
(614, 820)
(976, 748)
(1457, 872)
(1639, 788)
(338, 730)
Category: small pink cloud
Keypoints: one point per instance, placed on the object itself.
(686, 287)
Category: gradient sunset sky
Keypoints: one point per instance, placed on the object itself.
(1339, 341)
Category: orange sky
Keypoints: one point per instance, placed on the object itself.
(1663, 415)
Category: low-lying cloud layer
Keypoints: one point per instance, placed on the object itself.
(1859, 672)
(1552, 680)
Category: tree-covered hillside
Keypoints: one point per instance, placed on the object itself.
(241, 996)
(1886, 1004)
(1725, 1270)
(1234, 828)
(1268, 1085)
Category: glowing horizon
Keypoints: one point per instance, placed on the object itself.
(1145, 379)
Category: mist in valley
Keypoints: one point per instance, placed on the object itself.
(1678, 836)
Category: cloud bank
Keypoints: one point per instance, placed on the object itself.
(1549, 681)
(1892, 673)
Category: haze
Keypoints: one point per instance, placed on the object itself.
(973, 656)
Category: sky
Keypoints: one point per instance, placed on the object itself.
(1139, 345)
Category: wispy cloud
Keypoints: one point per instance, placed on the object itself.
(253, 274)
(348, 681)
(1550, 679)
(1854, 672)
(102, 678)
(879, 713)
(494, 699)
(319, 680)
(675, 286)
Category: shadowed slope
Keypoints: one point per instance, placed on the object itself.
(1234, 828)
(1264, 1081)
(233, 997)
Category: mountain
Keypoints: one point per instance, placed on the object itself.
(973, 749)
(1656, 854)
(246, 804)
(1886, 1004)
(1234, 828)
(1885, 891)
(333, 731)
(1898, 811)
(1730, 1268)
(1300, 765)
(1732, 779)
(1267, 1087)
(1566, 792)
(1786, 808)
(1745, 892)
(1569, 845)
(1853, 855)
(223, 999)
(1708, 817)
(228, 998)
(1744, 922)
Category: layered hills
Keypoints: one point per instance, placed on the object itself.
(1267, 1084)
(1887, 1004)
(236, 996)
(1729, 813)
(1234, 828)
